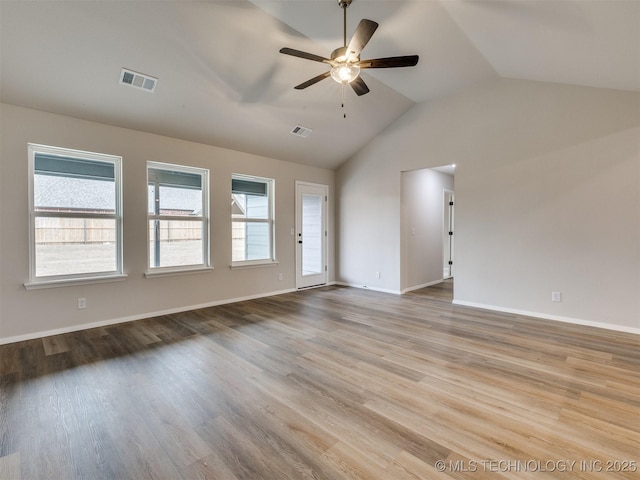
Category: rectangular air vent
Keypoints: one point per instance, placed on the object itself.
(301, 131)
(138, 80)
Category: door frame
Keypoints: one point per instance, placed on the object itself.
(448, 238)
(322, 278)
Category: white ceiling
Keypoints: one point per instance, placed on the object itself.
(223, 82)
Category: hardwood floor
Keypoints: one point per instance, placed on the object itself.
(330, 383)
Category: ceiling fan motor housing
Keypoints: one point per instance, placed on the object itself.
(344, 3)
(342, 55)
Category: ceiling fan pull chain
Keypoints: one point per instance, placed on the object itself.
(344, 113)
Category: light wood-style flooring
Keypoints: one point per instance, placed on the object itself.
(329, 383)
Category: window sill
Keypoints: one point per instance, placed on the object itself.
(169, 272)
(253, 264)
(39, 284)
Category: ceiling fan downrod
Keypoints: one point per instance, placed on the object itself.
(344, 4)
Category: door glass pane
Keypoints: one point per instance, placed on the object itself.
(311, 234)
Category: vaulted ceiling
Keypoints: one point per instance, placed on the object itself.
(223, 82)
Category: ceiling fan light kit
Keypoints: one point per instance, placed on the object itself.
(345, 61)
(345, 73)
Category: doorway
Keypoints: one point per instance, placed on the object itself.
(311, 234)
(425, 247)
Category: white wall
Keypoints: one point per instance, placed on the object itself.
(422, 225)
(547, 199)
(25, 313)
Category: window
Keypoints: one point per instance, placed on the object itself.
(75, 215)
(252, 220)
(178, 216)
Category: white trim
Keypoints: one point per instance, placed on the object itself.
(253, 264)
(99, 216)
(104, 323)
(142, 316)
(300, 278)
(424, 285)
(270, 222)
(70, 279)
(171, 271)
(204, 219)
(177, 218)
(68, 282)
(366, 287)
(316, 286)
(545, 316)
(448, 240)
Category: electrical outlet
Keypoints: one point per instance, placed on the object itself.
(82, 303)
(556, 296)
(280, 276)
(377, 274)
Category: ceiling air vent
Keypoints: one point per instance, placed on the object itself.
(301, 131)
(138, 80)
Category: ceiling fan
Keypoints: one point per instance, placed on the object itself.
(345, 61)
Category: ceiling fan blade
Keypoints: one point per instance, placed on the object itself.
(308, 56)
(362, 35)
(389, 62)
(359, 86)
(312, 81)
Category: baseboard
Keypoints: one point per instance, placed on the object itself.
(106, 323)
(366, 287)
(385, 290)
(115, 321)
(545, 316)
(328, 284)
(424, 285)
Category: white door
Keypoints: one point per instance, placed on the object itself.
(311, 234)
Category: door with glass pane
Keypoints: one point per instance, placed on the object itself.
(311, 234)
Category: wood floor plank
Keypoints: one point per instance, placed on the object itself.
(55, 344)
(407, 467)
(330, 383)
(10, 467)
(212, 467)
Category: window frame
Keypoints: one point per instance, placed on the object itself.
(75, 278)
(270, 221)
(205, 218)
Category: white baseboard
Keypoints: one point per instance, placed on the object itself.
(115, 321)
(105, 323)
(385, 290)
(366, 287)
(545, 316)
(328, 284)
(424, 285)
